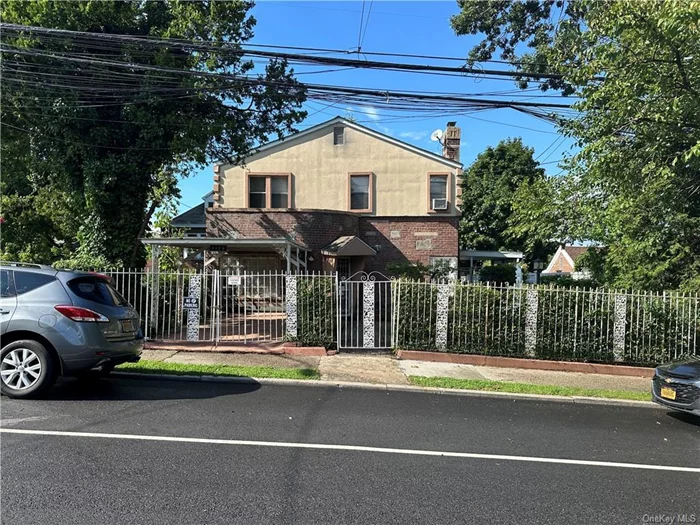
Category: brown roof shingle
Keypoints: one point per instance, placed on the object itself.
(575, 251)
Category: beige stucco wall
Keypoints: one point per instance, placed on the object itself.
(320, 174)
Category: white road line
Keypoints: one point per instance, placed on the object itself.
(355, 448)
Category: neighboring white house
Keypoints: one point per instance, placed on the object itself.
(563, 263)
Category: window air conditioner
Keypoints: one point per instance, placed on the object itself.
(439, 204)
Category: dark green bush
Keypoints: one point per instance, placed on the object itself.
(316, 311)
(415, 308)
(498, 273)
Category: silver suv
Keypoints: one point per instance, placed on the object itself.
(60, 322)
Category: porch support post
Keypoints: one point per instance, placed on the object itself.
(619, 327)
(531, 304)
(289, 257)
(368, 314)
(443, 299)
(291, 304)
(195, 288)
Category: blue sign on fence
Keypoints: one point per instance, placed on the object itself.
(190, 303)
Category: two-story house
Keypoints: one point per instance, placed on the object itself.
(337, 196)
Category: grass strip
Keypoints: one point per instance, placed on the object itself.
(162, 367)
(526, 388)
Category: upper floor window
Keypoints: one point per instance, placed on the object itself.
(438, 191)
(338, 136)
(360, 192)
(269, 191)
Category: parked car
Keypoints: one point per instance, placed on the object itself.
(58, 322)
(677, 385)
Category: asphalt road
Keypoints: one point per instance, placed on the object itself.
(102, 476)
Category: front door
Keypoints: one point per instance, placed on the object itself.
(8, 299)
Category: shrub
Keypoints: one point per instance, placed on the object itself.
(498, 273)
(316, 311)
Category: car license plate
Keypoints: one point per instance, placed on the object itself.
(127, 325)
(668, 393)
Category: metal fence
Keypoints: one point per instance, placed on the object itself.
(206, 306)
(547, 322)
(371, 311)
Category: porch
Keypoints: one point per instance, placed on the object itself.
(235, 255)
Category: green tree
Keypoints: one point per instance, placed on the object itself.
(106, 121)
(634, 186)
(488, 189)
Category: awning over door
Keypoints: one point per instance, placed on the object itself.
(348, 246)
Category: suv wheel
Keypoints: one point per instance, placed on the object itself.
(26, 369)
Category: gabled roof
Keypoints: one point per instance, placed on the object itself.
(354, 125)
(194, 217)
(575, 251)
(348, 246)
(570, 253)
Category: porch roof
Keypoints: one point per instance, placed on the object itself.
(205, 242)
(489, 255)
(348, 246)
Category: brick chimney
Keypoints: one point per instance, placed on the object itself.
(451, 141)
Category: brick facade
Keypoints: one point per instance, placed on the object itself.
(561, 265)
(409, 239)
(394, 238)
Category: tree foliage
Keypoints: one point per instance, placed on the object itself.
(634, 186)
(488, 189)
(91, 149)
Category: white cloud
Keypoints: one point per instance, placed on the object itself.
(371, 112)
(413, 135)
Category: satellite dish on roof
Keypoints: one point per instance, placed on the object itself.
(436, 135)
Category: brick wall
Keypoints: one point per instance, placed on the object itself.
(397, 238)
(313, 229)
(561, 264)
(409, 239)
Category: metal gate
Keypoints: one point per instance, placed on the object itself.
(267, 307)
(364, 311)
(206, 306)
(251, 308)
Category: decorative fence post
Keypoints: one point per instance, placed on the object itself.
(368, 313)
(291, 296)
(195, 288)
(619, 327)
(155, 292)
(443, 299)
(531, 304)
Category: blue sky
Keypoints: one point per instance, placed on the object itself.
(397, 27)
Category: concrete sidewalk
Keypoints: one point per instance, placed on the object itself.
(385, 369)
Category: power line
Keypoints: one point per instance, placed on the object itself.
(547, 148)
(369, 13)
(563, 138)
(314, 87)
(359, 32)
(236, 50)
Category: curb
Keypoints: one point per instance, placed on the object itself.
(387, 388)
(525, 363)
(259, 349)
